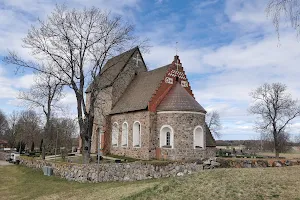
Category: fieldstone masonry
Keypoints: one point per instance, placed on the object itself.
(135, 152)
(113, 171)
(183, 135)
(150, 134)
(140, 170)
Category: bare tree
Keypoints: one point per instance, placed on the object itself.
(79, 43)
(289, 9)
(276, 109)
(11, 134)
(45, 94)
(297, 139)
(28, 128)
(283, 144)
(213, 123)
(62, 132)
(3, 124)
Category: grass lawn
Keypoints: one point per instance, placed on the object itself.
(18, 182)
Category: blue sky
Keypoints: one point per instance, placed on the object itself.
(227, 47)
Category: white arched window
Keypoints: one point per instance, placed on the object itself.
(136, 137)
(115, 134)
(125, 134)
(166, 137)
(198, 138)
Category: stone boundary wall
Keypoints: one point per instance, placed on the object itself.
(113, 171)
(3, 155)
(139, 170)
(255, 163)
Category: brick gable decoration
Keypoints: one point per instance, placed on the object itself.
(174, 74)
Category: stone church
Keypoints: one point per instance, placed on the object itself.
(149, 114)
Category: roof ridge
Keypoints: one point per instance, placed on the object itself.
(111, 64)
(118, 56)
(168, 65)
(154, 70)
(124, 52)
(160, 83)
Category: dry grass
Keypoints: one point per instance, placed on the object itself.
(17, 182)
(261, 183)
(295, 155)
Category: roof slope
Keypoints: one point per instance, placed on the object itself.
(140, 91)
(210, 141)
(112, 69)
(178, 99)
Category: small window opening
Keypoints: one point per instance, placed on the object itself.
(168, 139)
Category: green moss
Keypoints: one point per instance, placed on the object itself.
(128, 159)
(157, 162)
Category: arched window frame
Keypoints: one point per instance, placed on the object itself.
(203, 138)
(117, 134)
(122, 142)
(163, 137)
(140, 135)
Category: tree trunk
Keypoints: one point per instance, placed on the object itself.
(45, 134)
(276, 153)
(276, 146)
(43, 152)
(88, 129)
(86, 149)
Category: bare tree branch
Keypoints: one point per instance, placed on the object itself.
(289, 9)
(77, 44)
(3, 124)
(213, 122)
(275, 108)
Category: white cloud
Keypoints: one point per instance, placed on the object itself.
(16, 17)
(159, 1)
(24, 82)
(245, 127)
(222, 74)
(161, 55)
(69, 99)
(44, 7)
(10, 86)
(247, 11)
(232, 70)
(256, 53)
(204, 4)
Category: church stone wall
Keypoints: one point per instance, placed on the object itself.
(125, 78)
(109, 96)
(153, 135)
(144, 118)
(183, 125)
(102, 109)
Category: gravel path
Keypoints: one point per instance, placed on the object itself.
(4, 163)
